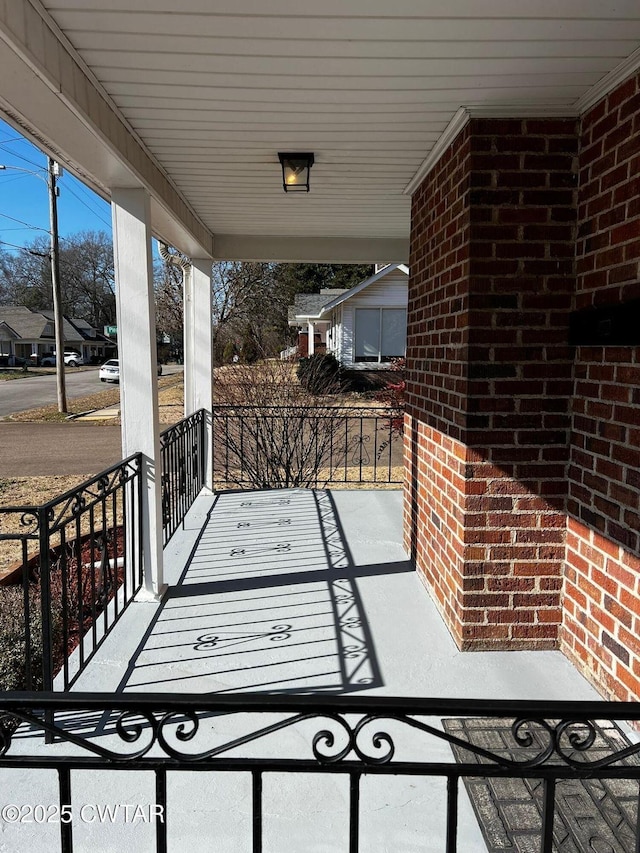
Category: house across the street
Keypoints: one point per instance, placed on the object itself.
(365, 326)
(28, 334)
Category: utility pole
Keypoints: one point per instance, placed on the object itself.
(54, 173)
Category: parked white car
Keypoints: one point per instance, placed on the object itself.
(71, 359)
(110, 371)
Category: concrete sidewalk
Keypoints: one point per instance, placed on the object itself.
(100, 414)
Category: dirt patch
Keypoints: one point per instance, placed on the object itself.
(26, 491)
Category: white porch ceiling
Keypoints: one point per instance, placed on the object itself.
(213, 89)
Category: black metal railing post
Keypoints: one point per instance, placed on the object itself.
(45, 610)
(203, 447)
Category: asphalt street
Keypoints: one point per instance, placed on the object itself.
(58, 448)
(17, 395)
(34, 450)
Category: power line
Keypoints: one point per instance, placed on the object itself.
(13, 139)
(4, 230)
(13, 246)
(66, 186)
(91, 210)
(26, 224)
(31, 227)
(26, 159)
(90, 194)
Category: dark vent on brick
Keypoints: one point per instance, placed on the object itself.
(606, 325)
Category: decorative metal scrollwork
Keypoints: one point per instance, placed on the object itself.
(325, 740)
(361, 455)
(332, 736)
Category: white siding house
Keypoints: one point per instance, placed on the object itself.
(368, 323)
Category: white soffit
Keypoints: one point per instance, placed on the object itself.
(213, 89)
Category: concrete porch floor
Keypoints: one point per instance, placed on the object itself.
(303, 591)
(285, 591)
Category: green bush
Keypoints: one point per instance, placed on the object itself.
(320, 373)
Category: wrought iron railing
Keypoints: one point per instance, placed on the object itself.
(182, 450)
(79, 565)
(307, 445)
(429, 744)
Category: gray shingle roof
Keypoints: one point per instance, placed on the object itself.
(310, 304)
(35, 325)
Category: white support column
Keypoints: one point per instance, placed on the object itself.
(188, 347)
(311, 343)
(202, 372)
(138, 366)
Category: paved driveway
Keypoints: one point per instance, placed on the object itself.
(34, 450)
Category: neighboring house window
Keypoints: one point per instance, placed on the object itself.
(381, 334)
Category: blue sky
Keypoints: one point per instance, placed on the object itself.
(24, 197)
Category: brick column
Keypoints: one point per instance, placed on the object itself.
(489, 379)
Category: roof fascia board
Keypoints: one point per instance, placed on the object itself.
(5, 326)
(609, 82)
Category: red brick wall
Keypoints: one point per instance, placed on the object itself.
(601, 630)
(523, 456)
(489, 378)
(439, 270)
(436, 516)
(436, 379)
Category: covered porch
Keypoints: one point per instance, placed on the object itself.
(494, 150)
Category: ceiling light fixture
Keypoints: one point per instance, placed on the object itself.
(295, 171)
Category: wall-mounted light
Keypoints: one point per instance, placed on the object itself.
(295, 171)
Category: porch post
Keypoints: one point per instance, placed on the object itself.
(188, 338)
(138, 366)
(311, 343)
(202, 353)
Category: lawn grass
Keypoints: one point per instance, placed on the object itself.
(33, 372)
(27, 491)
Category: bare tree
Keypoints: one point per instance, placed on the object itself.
(169, 298)
(86, 273)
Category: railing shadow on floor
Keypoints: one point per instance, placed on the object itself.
(260, 620)
(270, 623)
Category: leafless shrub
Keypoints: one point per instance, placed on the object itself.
(269, 432)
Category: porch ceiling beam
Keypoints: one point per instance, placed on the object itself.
(50, 95)
(281, 247)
